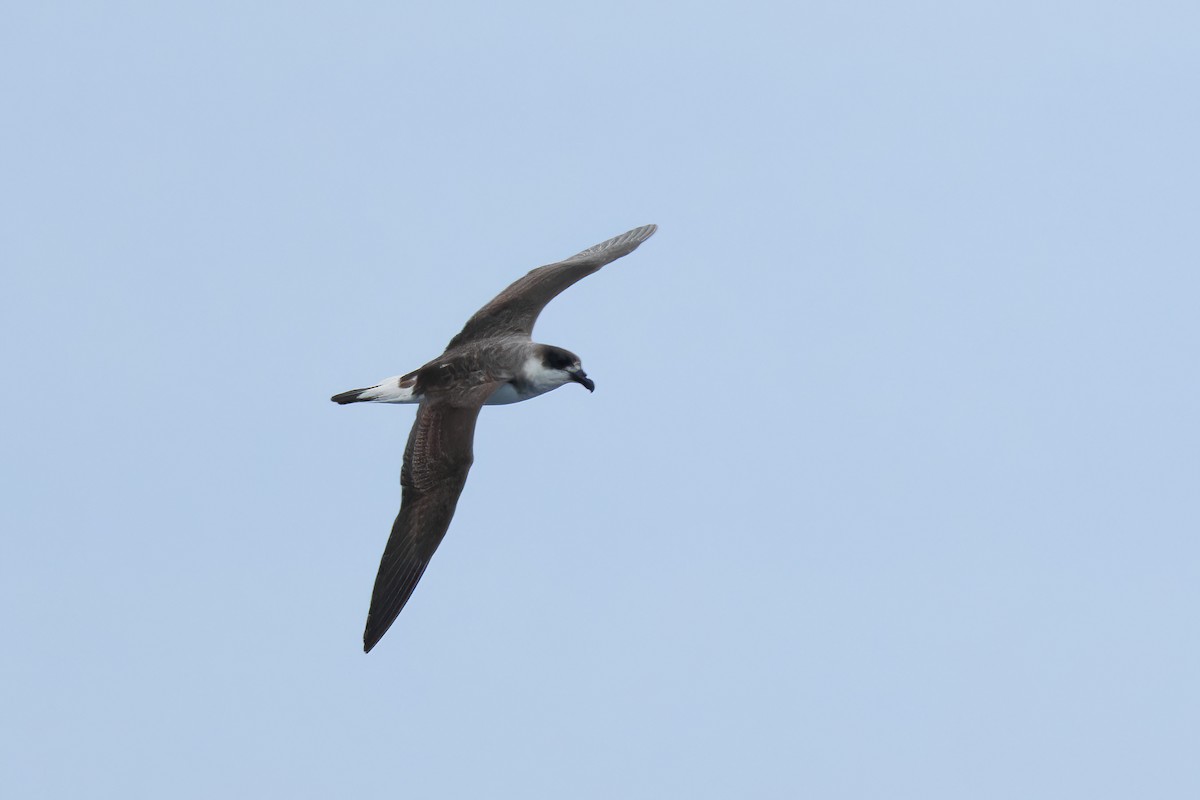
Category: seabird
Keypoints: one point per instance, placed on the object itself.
(492, 361)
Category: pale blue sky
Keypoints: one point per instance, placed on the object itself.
(888, 488)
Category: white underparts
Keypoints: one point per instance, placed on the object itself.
(535, 379)
(504, 395)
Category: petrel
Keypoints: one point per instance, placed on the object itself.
(492, 361)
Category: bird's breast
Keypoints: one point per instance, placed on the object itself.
(508, 393)
(518, 390)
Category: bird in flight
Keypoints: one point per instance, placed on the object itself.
(492, 361)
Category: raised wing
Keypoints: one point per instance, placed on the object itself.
(516, 309)
(436, 461)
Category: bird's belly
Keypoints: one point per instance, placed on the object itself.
(504, 395)
(509, 393)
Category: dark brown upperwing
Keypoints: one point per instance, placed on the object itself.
(516, 309)
(436, 461)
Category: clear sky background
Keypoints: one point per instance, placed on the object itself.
(888, 488)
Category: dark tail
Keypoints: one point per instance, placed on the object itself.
(351, 396)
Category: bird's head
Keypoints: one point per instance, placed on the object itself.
(564, 366)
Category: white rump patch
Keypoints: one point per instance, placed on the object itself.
(390, 391)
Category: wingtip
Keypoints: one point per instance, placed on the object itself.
(621, 245)
(638, 235)
(372, 634)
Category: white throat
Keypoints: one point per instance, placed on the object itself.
(535, 379)
(540, 378)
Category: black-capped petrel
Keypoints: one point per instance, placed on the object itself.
(492, 361)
